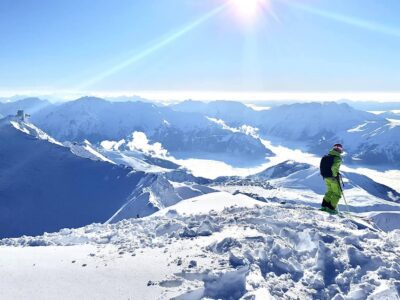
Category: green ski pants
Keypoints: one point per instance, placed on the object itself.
(333, 191)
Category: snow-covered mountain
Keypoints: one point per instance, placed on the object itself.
(375, 143)
(156, 192)
(232, 112)
(186, 130)
(369, 138)
(45, 185)
(395, 115)
(312, 122)
(96, 120)
(299, 121)
(120, 153)
(216, 246)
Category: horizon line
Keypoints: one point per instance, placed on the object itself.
(242, 96)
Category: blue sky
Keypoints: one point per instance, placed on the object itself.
(209, 47)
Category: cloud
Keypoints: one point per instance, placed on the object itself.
(112, 145)
(140, 142)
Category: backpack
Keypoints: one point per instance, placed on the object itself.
(325, 166)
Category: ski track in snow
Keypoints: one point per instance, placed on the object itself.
(190, 251)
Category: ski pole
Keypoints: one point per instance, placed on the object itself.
(340, 180)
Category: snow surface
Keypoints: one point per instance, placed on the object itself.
(215, 201)
(393, 123)
(87, 150)
(257, 107)
(45, 186)
(267, 251)
(30, 129)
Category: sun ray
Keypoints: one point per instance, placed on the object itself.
(156, 46)
(360, 23)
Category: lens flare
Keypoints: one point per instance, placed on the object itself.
(248, 9)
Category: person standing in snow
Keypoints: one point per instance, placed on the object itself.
(329, 167)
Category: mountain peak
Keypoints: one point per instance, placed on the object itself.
(282, 169)
(90, 99)
(28, 128)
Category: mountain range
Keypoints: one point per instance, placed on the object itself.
(369, 139)
(46, 185)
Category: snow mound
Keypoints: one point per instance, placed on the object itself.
(245, 250)
(386, 221)
(210, 202)
(283, 169)
(155, 192)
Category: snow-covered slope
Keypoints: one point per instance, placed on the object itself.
(306, 175)
(191, 251)
(138, 154)
(370, 139)
(395, 115)
(375, 143)
(303, 121)
(292, 180)
(87, 150)
(156, 192)
(95, 119)
(45, 186)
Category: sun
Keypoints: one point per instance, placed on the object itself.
(248, 9)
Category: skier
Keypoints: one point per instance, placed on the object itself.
(329, 167)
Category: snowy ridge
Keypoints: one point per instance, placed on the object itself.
(155, 192)
(87, 150)
(41, 183)
(385, 220)
(96, 120)
(137, 153)
(30, 129)
(236, 253)
(45, 186)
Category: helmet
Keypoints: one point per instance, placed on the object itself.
(338, 148)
